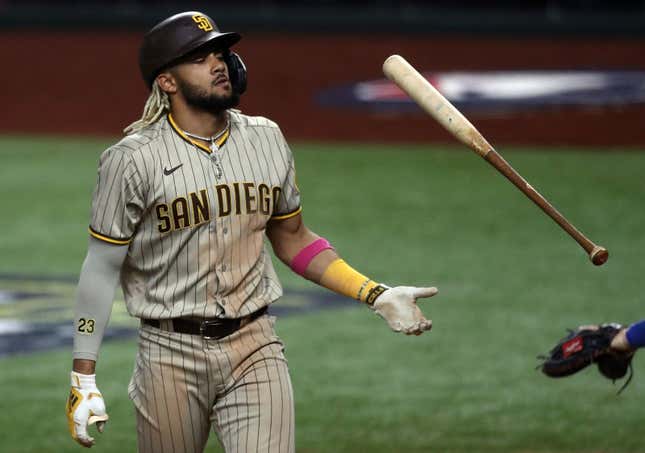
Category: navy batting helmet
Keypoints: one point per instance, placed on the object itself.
(177, 36)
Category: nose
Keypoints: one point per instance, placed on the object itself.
(216, 62)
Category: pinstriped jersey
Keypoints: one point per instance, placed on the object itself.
(194, 218)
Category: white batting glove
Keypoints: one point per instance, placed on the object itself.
(85, 406)
(398, 306)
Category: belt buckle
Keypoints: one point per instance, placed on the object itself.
(205, 324)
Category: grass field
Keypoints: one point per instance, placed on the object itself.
(510, 283)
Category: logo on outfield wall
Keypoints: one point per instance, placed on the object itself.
(36, 312)
(500, 91)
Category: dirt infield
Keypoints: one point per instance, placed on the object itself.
(88, 83)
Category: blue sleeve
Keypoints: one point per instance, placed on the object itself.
(636, 334)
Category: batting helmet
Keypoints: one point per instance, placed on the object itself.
(177, 36)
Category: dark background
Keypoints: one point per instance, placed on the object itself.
(71, 67)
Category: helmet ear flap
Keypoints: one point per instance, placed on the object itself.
(236, 71)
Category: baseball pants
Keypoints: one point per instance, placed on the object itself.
(183, 385)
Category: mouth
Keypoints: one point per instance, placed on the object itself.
(221, 81)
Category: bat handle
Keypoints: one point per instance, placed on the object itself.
(597, 254)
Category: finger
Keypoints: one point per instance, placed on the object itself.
(82, 436)
(97, 419)
(415, 332)
(424, 292)
(419, 328)
(88, 443)
(396, 326)
(84, 439)
(414, 329)
(100, 421)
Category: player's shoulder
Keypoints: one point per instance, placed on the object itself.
(250, 121)
(137, 142)
(141, 138)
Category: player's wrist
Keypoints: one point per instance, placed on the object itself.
(375, 293)
(83, 381)
(620, 342)
(84, 366)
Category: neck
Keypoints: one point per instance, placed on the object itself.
(199, 122)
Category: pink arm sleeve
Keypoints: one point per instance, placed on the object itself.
(303, 258)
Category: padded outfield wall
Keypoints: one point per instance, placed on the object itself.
(88, 83)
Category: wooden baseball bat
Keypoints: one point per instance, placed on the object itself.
(399, 71)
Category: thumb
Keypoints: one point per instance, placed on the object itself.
(100, 421)
(424, 292)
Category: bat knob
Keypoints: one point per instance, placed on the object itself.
(599, 255)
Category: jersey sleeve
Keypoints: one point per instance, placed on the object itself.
(119, 198)
(288, 203)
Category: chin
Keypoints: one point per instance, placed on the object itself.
(223, 90)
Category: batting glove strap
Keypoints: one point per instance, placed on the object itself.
(373, 294)
(85, 406)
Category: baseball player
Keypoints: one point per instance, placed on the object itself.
(180, 213)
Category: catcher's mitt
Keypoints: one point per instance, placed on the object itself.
(584, 346)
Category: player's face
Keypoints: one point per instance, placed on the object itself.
(204, 83)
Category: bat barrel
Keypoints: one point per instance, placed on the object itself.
(403, 74)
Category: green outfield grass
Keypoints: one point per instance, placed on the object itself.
(510, 283)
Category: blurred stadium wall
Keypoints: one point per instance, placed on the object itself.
(546, 72)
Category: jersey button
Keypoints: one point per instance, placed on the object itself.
(223, 268)
(225, 230)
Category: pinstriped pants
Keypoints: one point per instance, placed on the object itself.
(183, 385)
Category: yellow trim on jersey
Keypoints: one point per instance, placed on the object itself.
(219, 142)
(104, 238)
(288, 215)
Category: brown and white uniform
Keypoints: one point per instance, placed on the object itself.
(194, 220)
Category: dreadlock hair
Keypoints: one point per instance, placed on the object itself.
(156, 105)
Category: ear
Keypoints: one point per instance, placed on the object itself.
(166, 82)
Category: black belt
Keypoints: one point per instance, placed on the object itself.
(212, 328)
